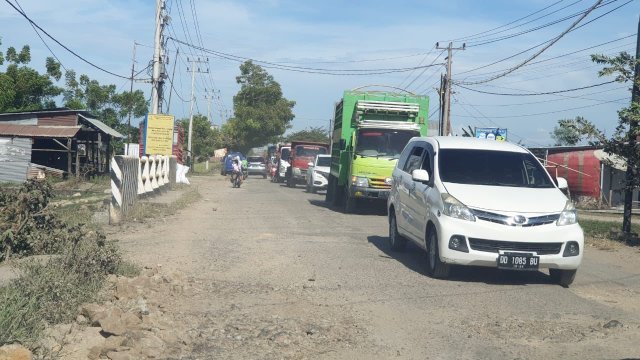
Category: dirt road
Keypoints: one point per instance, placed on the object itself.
(271, 272)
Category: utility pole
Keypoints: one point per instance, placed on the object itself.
(628, 192)
(175, 62)
(193, 98)
(446, 110)
(208, 98)
(133, 69)
(158, 59)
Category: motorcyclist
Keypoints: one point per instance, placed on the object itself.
(237, 168)
(245, 168)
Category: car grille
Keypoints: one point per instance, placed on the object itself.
(378, 183)
(509, 220)
(496, 245)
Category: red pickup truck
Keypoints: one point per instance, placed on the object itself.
(302, 153)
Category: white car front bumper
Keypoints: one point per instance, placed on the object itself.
(485, 240)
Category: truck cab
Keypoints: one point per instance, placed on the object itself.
(284, 151)
(302, 153)
(371, 128)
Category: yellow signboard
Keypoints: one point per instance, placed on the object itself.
(159, 134)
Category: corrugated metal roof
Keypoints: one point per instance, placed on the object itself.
(102, 126)
(38, 131)
(15, 155)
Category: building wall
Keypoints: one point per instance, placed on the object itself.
(58, 120)
(15, 156)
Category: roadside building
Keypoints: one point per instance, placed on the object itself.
(590, 172)
(55, 142)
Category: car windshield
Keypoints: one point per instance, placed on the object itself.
(285, 154)
(324, 161)
(497, 168)
(309, 151)
(383, 142)
(255, 159)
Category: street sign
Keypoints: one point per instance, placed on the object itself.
(496, 134)
(158, 134)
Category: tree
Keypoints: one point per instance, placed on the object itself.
(624, 141)
(567, 133)
(315, 134)
(261, 111)
(204, 138)
(103, 101)
(23, 88)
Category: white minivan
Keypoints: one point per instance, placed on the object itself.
(479, 202)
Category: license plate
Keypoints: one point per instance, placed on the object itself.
(515, 261)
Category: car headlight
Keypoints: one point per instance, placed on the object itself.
(454, 208)
(568, 216)
(318, 175)
(360, 181)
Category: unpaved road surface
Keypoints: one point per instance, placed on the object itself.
(272, 273)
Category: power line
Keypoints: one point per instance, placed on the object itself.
(425, 69)
(322, 71)
(540, 44)
(524, 32)
(554, 112)
(564, 97)
(62, 45)
(555, 40)
(421, 62)
(44, 42)
(505, 25)
(536, 94)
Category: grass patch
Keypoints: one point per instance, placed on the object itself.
(597, 233)
(201, 169)
(149, 210)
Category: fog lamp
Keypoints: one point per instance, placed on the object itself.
(571, 249)
(458, 243)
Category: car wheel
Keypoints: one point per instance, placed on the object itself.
(397, 242)
(435, 267)
(563, 278)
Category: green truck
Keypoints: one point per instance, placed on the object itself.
(370, 130)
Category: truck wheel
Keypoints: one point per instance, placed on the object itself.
(349, 202)
(435, 268)
(396, 241)
(563, 278)
(328, 197)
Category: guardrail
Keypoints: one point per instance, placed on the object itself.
(133, 178)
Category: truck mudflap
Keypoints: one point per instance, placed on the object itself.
(369, 193)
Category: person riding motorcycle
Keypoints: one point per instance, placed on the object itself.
(245, 168)
(237, 168)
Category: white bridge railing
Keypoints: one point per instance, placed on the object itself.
(133, 177)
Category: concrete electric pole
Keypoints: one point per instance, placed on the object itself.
(158, 59)
(628, 192)
(446, 110)
(193, 98)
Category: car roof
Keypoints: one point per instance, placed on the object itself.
(461, 142)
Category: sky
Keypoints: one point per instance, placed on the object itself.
(369, 37)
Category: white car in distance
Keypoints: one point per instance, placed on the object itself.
(468, 201)
(318, 173)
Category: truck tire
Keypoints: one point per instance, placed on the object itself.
(349, 202)
(328, 198)
(435, 267)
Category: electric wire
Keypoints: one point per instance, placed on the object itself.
(551, 43)
(62, 45)
(322, 71)
(539, 93)
(44, 42)
(555, 111)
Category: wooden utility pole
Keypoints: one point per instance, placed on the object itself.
(133, 69)
(628, 192)
(446, 110)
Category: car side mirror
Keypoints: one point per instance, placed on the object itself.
(562, 183)
(343, 144)
(420, 175)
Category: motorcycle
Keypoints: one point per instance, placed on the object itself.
(236, 179)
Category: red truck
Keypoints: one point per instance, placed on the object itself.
(303, 153)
